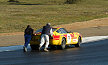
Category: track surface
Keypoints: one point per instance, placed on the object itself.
(92, 53)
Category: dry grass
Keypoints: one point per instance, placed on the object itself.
(14, 17)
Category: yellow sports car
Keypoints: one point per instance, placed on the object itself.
(60, 38)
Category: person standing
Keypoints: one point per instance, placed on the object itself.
(27, 35)
(46, 32)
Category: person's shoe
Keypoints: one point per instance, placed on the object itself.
(39, 48)
(45, 50)
(24, 49)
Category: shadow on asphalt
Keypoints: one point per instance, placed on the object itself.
(83, 45)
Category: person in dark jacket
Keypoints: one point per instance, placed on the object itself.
(27, 35)
(47, 30)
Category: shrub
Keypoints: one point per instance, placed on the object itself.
(13, 1)
(72, 1)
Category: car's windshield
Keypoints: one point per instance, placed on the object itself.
(40, 30)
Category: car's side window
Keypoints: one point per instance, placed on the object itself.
(59, 31)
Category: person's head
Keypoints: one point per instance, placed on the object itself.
(48, 24)
(28, 26)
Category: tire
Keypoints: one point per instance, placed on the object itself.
(79, 41)
(63, 44)
(34, 47)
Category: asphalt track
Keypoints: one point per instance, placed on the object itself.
(91, 53)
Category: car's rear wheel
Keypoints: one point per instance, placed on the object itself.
(79, 41)
(63, 44)
(34, 47)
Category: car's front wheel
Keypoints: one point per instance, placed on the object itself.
(79, 41)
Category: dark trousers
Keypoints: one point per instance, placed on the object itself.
(27, 39)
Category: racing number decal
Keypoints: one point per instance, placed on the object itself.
(68, 38)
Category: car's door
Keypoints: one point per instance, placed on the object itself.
(67, 35)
